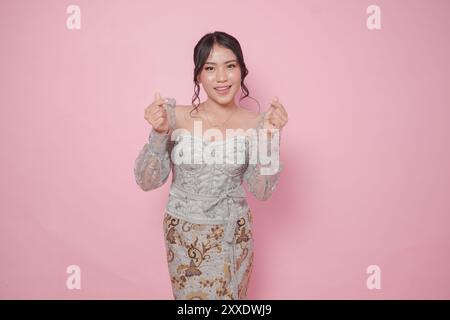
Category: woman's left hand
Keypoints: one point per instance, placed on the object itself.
(276, 118)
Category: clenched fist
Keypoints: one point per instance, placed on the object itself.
(156, 115)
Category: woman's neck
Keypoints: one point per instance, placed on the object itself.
(219, 110)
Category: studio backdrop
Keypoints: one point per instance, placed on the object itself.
(361, 210)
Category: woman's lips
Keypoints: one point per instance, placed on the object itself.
(222, 90)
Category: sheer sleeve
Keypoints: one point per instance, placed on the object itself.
(153, 164)
(262, 179)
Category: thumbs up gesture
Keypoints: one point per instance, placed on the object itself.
(276, 117)
(156, 115)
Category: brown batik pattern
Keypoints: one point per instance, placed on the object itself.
(199, 263)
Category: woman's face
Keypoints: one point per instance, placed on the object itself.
(221, 70)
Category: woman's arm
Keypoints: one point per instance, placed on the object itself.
(152, 166)
(259, 183)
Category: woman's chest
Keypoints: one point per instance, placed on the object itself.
(194, 155)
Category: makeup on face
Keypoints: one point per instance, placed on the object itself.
(220, 77)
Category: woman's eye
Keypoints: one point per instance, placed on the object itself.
(211, 68)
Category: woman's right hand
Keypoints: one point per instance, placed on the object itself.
(156, 115)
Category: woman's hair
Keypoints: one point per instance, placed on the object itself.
(201, 53)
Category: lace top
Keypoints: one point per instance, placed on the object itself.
(204, 192)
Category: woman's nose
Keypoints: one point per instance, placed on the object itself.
(221, 75)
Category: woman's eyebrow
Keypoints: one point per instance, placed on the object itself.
(224, 62)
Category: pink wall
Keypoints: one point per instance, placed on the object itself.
(366, 147)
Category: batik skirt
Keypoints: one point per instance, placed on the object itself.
(201, 263)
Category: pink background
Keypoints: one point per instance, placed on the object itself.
(366, 148)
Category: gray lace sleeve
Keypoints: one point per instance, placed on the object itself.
(259, 183)
(153, 164)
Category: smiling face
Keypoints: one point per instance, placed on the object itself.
(221, 75)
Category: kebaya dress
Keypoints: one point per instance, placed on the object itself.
(207, 222)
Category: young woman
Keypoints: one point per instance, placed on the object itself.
(208, 223)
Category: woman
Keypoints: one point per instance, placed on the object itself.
(207, 223)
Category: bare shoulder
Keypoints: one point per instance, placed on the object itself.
(183, 109)
(182, 114)
(249, 118)
(248, 113)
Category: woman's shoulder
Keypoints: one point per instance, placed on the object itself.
(179, 114)
(251, 119)
(249, 113)
(182, 110)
